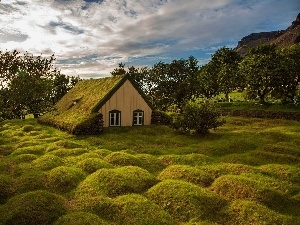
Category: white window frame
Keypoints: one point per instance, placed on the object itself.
(115, 118)
(138, 118)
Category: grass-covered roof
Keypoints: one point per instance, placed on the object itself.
(81, 102)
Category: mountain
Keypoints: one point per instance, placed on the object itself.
(281, 38)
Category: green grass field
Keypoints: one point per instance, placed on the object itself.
(245, 172)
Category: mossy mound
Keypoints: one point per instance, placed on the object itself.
(248, 212)
(47, 162)
(186, 173)
(80, 218)
(186, 201)
(235, 187)
(35, 149)
(30, 180)
(135, 209)
(190, 159)
(6, 187)
(63, 179)
(23, 158)
(150, 163)
(99, 205)
(122, 159)
(90, 165)
(217, 170)
(62, 152)
(38, 207)
(284, 172)
(266, 157)
(118, 181)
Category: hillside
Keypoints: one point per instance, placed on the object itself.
(286, 37)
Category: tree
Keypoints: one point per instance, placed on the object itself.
(27, 80)
(208, 79)
(226, 61)
(267, 72)
(119, 71)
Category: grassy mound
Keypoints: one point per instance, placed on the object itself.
(30, 180)
(122, 159)
(288, 173)
(62, 152)
(64, 179)
(47, 162)
(38, 207)
(187, 173)
(99, 205)
(23, 158)
(186, 201)
(90, 165)
(150, 163)
(135, 209)
(234, 187)
(189, 159)
(118, 181)
(247, 212)
(35, 149)
(6, 187)
(79, 218)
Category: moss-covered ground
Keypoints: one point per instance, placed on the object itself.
(245, 172)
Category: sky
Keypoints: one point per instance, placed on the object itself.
(91, 37)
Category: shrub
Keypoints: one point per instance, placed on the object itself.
(186, 201)
(122, 159)
(79, 218)
(198, 117)
(90, 165)
(248, 212)
(135, 209)
(118, 181)
(64, 179)
(47, 162)
(187, 173)
(37, 207)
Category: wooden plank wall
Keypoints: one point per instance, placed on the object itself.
(126, 99)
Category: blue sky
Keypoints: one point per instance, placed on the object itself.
(90, 37)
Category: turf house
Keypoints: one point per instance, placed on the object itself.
(97, 103)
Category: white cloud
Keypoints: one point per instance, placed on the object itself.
(132, 30)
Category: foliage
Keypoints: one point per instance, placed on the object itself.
(198, 117)
(269, 71)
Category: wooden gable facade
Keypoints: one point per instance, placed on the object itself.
(125, 105)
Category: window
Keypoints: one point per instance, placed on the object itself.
(115, 118)
(138, 118)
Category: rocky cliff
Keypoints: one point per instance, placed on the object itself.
(286, 37)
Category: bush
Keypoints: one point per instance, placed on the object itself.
(186, 201)
(79, 218)
(135, 209)
(37, 207)
(198, 117)
(187, 173)
(118, 181)
(64, 179)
